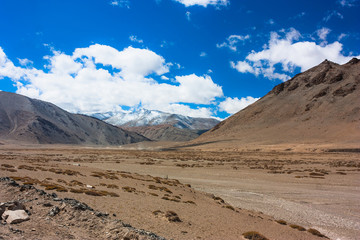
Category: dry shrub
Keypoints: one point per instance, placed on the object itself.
(218, 199)
(300, 228)
(76, 183)
(317, 174)
(107, 175)
(252, 235)
(153, 194)
(73, 190)
(129, 189)
(94, 193)
(56, 187)
(7, 165)
(8, 169)
(153, 187)
(113, 186)
(282, 222)
(191, 202)
(229, 207)
(26, 167)
(172, 216)
(316, 233)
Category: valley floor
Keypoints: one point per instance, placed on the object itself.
(313, 190)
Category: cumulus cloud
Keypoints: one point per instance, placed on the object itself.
(323, 32)
(233, 105)
(289, 53)
(204, 3)
(100, 78)
(232, 41)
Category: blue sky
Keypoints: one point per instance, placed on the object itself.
(203, 58)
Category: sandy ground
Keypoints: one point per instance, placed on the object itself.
(312, 189)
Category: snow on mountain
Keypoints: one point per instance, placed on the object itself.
(144, 117)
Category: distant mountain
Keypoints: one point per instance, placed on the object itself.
(157, 125)
(321, 105)
(34, 121)
(166, 132)
(143, 117)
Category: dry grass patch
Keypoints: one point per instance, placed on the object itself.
(153, 187)
(8, 169)
(7, 165)
(129, 189)
(172, 216)
(316, 233)
(27, 167)
(252, 235)
(282, 222)
(300, 228)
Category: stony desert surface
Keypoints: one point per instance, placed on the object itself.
(188, 194)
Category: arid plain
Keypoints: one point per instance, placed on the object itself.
(216, 194)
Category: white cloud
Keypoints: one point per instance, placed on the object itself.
(243, 67)
(134, 38)
(289, 53)
(203, 54)
(187, 111)
(204, 3)
(120, 3)
(25, 62)
(332, 14)
(323, 32)
(233, 105)
(232, 41)
(188, 15)
(271, 21)
(100, 78)
(347, 3)
(341, 36)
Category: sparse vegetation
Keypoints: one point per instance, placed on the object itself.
(252, 235)
(316, 232)
(282, 222)
(300, 228)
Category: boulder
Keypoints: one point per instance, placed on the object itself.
(17, 216)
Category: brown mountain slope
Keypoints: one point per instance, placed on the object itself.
(166, 132)
(34, 121)
(321, 105)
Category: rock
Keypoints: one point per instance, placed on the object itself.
(17, 216)
(54, 211)
(89, 186)
(16, 206)
(2, 209)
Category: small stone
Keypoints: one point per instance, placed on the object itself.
(54, 211)
(89, 186)
(17, 216)
(33, 229)
(47, 204)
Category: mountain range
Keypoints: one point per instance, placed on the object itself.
(157, 125)
(143, 117)
(33, 121)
